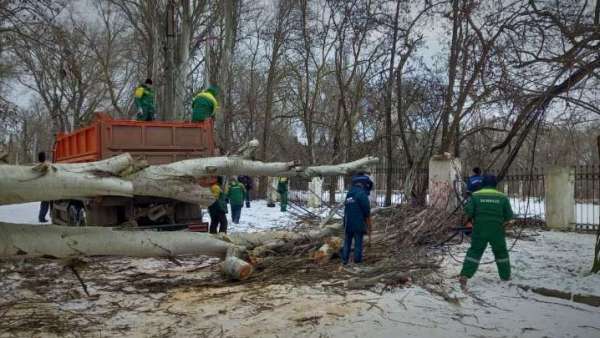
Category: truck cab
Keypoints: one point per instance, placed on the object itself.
(157, 142)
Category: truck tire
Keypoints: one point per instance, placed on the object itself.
(76, 214)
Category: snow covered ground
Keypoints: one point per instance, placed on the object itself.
(491, 308)
(260, 217)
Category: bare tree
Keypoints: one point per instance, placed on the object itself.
(279, 34)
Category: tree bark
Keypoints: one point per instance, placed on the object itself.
(21, 184)
(178, 180)
(21, 240)
(388, 112)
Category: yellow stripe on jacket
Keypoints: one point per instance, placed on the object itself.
(210, 98)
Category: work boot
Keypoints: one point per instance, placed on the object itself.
(463, 282)
(247, 204)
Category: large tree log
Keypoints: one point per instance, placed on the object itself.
(22, 240)
(178, 180)
(20, 184)
(117, 165)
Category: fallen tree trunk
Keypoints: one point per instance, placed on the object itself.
(20, 184)
(122, 176)
(22, 240)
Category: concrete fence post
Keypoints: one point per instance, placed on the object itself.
(373, 175)
(315, 187)
(340, 184)
(443, 171)
(559, 201)
(272, 194)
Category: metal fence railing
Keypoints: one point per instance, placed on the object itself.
(335, 188)
(587, 197)
(525, 188)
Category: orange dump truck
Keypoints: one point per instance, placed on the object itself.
(157, 142)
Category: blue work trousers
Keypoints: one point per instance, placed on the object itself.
(358, 246)
(236, 212)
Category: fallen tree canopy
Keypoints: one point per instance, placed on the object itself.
(123, 176)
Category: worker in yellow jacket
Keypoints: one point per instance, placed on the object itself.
(144, 101)
(205, 104)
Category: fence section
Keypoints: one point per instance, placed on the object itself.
(524, 187)
(525, 190)
(587, 197)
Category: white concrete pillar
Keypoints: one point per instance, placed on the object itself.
(272, 194)
(443, 171)
(560, 197)
(521, 196)
(373, 176)
(315, 187)
(340, 184)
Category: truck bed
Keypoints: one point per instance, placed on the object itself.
(158, 142)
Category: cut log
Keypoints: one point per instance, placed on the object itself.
(22, 240)
(329, 249)
(236, 269)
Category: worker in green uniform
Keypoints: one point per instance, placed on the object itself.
(205, 104)
(144, 101)
(490, 210)
(236, 194)
(218, 209)
(282, 189)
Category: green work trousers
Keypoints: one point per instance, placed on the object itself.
(478, 244)
(146, 113)
(283, 200)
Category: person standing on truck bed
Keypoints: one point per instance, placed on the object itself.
(144, 100)
(205, 104)
(218, 210)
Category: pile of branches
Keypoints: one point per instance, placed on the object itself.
(397, 252)
(416, 226)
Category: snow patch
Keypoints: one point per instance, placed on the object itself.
(26, 213)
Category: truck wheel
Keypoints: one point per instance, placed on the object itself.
(76, 215)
